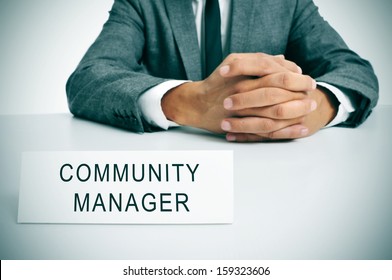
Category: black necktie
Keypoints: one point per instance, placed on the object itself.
(213, 43)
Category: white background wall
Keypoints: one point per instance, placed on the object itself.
(42, 41)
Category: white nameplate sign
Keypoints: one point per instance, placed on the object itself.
(127, 187)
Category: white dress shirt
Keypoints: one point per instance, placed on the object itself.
(150, 101)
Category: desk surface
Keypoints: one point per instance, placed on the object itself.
(328, 196)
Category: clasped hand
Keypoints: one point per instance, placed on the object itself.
(252, 97)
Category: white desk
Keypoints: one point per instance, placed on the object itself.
(328, 196)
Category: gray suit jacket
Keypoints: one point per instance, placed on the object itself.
(146, 42)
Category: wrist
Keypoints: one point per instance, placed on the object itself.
(182, 104)
(327, 105)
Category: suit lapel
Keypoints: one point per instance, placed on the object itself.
(241, 19)
(182, 21)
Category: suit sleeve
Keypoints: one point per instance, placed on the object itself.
(322, 54)
(108, 81)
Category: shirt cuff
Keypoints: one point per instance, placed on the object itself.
(345, 107)
(150, 104)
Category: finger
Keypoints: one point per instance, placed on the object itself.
(255, 65)
(234, 56)
(284, 80)
(287, 133)
(260, 97)
(289, 110)
(245, 137)
(279, 56)
(289, 81)
(288, 64)
(282, 111)
(291, 132)
(256, 125)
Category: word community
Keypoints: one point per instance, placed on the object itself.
(128, 172)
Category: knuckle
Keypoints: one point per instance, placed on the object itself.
(261, 54)
(237, 101)
(280, 60)
(286, 79)
(232, 57)
(267, 125)
(306, 81)
(279, 111)
(266, 65)
(305, 108)
(237, 66)
(240, 87)
(308, 78)
(271, 135)
(270, 96)
(237, 125)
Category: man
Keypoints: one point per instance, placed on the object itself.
(285, 73)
